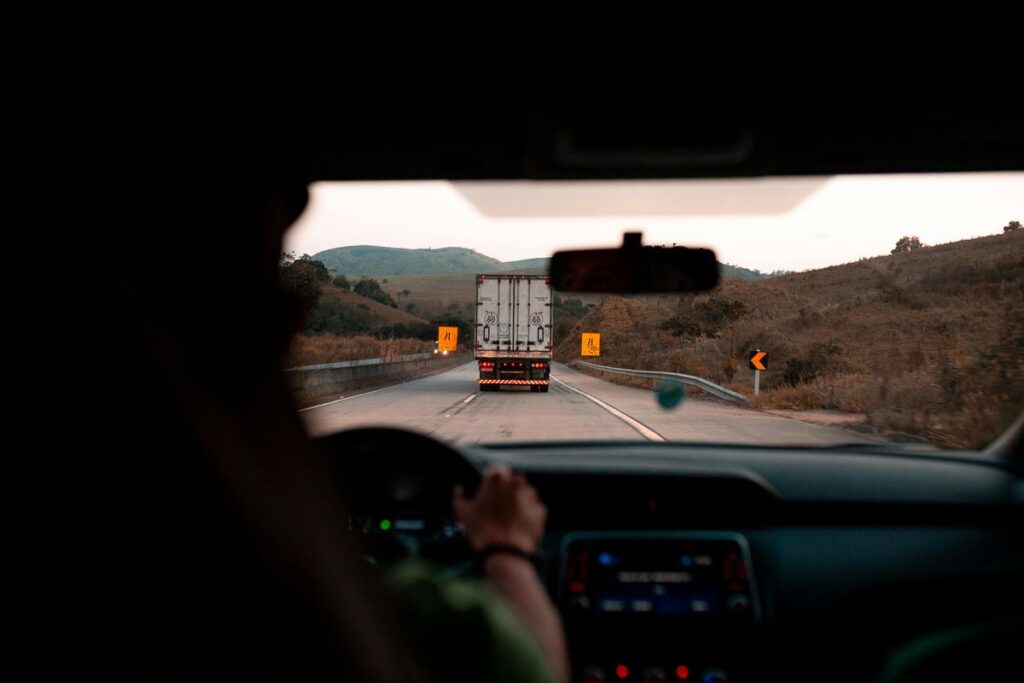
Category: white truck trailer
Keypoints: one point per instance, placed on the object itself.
(513, 331)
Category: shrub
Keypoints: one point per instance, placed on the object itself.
(820, 358)
(907, 243)
(301, 279)
(371, 289)
(331, 348)
(338, 318)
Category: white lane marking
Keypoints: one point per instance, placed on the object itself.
(347, 398)
(644, 430)
(321, 405)
(464, 402)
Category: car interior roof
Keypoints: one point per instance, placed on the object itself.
(828, 91)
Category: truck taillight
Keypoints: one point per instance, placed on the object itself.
(537, 365)
(486, 365)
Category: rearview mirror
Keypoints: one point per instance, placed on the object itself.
(634, 269)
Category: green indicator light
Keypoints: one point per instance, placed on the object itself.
(385, 524)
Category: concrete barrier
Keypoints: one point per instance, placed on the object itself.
(316, 381)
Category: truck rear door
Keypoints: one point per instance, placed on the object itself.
(532, 314)
(513, 314)
(488, 310)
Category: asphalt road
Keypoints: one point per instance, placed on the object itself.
(450, 407)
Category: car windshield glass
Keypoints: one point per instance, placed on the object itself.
(851, 309)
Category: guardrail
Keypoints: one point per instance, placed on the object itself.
(315, 381)
(361, 362)
(699, 382)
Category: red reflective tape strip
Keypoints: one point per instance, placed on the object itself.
(512, 381)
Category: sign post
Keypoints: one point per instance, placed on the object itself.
(758, 361)
(591, 344)
(447, 339)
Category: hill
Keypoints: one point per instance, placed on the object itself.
(380, 315)
(529, 264)
(727, 270)
(432, 294)
(340, 311)
(365, 260)
(376, 261)
(929, 342)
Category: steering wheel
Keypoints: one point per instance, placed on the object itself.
(398, 487)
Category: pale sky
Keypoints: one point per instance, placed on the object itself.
(768, 224)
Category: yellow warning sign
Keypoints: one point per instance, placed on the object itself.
(591, 344)
(447, 338)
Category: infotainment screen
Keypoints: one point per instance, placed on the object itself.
(662, 575)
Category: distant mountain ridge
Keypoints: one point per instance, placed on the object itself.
(369, 260)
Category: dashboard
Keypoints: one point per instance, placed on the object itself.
(680, 562)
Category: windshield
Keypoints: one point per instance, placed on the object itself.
(851, 309)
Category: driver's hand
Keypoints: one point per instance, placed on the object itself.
(505, 510)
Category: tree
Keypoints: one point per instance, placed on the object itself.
(319, 269)
(338, 317)
(341, 281)
(404, 292)
(300, 278)
(371, 289)
(907, 243)
(1012, 226)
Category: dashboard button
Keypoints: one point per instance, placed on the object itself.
(654, 675)
(738, 603)
(579, 603)
(714, 676)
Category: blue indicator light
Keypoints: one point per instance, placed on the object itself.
(686, 560)
(605, 559)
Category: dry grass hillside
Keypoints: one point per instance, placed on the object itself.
(380, 314)
(432, 295)
(929, 342)
(346, 326)
(331, 348)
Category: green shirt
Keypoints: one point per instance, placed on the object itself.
(464, 630)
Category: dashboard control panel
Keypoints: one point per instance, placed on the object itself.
(660, 576)
(656, 606)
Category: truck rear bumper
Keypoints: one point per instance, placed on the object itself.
(513, 381)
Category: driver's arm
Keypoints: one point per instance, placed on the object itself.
(506, 511)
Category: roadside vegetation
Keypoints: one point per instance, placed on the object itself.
(928, 341)
(332, 348)
(344, 317)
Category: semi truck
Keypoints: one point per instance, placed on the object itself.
(513, 331)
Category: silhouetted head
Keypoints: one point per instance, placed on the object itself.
(216, 533)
